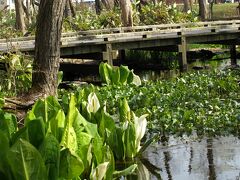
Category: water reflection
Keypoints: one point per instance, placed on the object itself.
(188, 159)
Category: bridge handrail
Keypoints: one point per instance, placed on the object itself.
(138, 30)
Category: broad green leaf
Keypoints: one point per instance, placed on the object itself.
(84, 141)
(115, 76)
(100, 171)
(98, 149)
(106, 123)
(81, 122)
(4, 145)
(69, 139)
(108, 157)
(114, 140)
(38, 110)
(104, 73)
(124, 111)
(69, 135)
(50, 151)
(26, 162)
(20, 134)
(57, 125)
(71, 166)
(124, 72)
(41, 108)
(125, 172)
(129, 138)
(8, 123)
(130, 77)
(36, 131)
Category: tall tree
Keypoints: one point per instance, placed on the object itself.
(47, 47)
(126, 12)
(186, 5)
(203, 9)
(20, 24)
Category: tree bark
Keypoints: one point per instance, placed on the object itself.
(126, 12)
(186, 5)
(73, 10)
(20, 24)
(98, 7)
(47, 46)
(203, 9)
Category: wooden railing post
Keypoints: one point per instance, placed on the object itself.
(182, 50)
(107, 55)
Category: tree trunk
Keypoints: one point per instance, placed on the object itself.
(98, 7)
(47, 46)
(126, 12)
(108, 4)
(20, 24)
(73, 10)
(186, 5)
(203, 9)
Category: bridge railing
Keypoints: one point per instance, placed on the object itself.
(117, 32)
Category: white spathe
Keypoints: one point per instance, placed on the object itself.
(100, 171)
(140, 124)
(93, 103)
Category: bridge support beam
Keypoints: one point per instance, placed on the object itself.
(108, 55)
(233, 53)
(182, 50)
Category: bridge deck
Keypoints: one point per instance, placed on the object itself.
(138, 37)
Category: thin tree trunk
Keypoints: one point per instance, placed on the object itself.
(73, 11)
(126, 13)
(47, 48)
(20, 24)
(98, 7)
(203, 9)
(186, 6)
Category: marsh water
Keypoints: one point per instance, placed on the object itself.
(191, 159)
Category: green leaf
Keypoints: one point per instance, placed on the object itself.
(108, 157)
(130, 77)
(84, 143)
(71, 166)
(105, 73)
(4, 145)
(129, 137)
(26, 162)
(36, 131)
(20, 134)
(69, 135)
(8, 123)
(124, 110)
(50, 151)
(125, 172)
(115, 76)
(98, 149)
(124, 72)
(57, 125)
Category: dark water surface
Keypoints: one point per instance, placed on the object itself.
(188, 159)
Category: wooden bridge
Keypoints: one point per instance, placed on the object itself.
(109, 41)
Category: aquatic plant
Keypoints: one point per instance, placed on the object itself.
(201, 102)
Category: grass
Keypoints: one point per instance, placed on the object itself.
(223, 10)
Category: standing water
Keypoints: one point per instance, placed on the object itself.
(188, 159)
